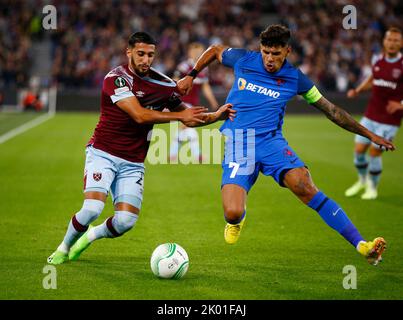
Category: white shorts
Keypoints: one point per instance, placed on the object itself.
(104, 172)
(386, 131)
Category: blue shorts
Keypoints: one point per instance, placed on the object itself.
(104, 172)
(269, 154)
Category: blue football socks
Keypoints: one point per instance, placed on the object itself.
(335, 217)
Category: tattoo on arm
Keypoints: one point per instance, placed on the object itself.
(340, 117)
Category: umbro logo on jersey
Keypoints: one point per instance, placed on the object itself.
(249, 86)
(140, 94)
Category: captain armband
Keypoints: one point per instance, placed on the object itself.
(312, 95)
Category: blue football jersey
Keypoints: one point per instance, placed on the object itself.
(258, 96)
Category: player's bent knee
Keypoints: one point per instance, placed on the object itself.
(308, 195)
(123, 221)
(375, 151)
(122, 206)
(90, 211)
(361, 148)
(127, 202)
(306, 192)
(96, 195)
(233, 212)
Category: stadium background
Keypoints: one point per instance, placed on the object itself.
(89, 42)
(41, 170)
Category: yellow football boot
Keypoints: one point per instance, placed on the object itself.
(372, 250)
(232, 231)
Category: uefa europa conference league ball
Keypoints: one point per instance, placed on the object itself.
(169, 261)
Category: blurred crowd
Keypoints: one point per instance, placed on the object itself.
(90, 41)
(19, 25)
(91, 35)
(334, 57)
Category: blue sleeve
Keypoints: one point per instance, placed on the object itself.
(304, 83)
(230, 56)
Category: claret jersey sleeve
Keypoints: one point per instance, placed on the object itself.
(117, 88)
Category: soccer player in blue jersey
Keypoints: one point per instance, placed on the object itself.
(264, 82)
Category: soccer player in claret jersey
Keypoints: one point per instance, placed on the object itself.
(383, 114)
(200, 85)
(264, 82)
(133, 97)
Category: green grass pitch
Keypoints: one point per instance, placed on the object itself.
(285, 251)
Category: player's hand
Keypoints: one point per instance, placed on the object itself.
(185, 85)
(393, 106)
(383, 143)
(193, 115)
(225, 112)
(352, 93)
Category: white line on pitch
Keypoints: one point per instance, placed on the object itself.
(25, 127)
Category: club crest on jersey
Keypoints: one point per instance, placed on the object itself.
(396, 73)
(280, 82)
(288, 153)
(97, 176)
(120, 82)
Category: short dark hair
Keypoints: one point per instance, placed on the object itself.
(275, 35)
(394, 29)
(141, 37)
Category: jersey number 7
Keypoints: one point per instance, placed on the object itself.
(235, 167)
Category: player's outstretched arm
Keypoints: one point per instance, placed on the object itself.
(222, 113)
(343, 119)
(145, 116)
(213, 53)
(364, 86)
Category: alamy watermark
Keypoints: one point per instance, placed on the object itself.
(350, 280)
(50, 279)
(49, 21)
(239, 150)
(350, 20)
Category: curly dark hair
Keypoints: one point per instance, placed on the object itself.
(275, 35)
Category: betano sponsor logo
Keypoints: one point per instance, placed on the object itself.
(384, 83)
(244, 85)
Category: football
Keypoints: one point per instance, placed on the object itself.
(169, 261)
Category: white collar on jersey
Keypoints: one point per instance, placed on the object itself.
(168, 83)
(393, 60)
